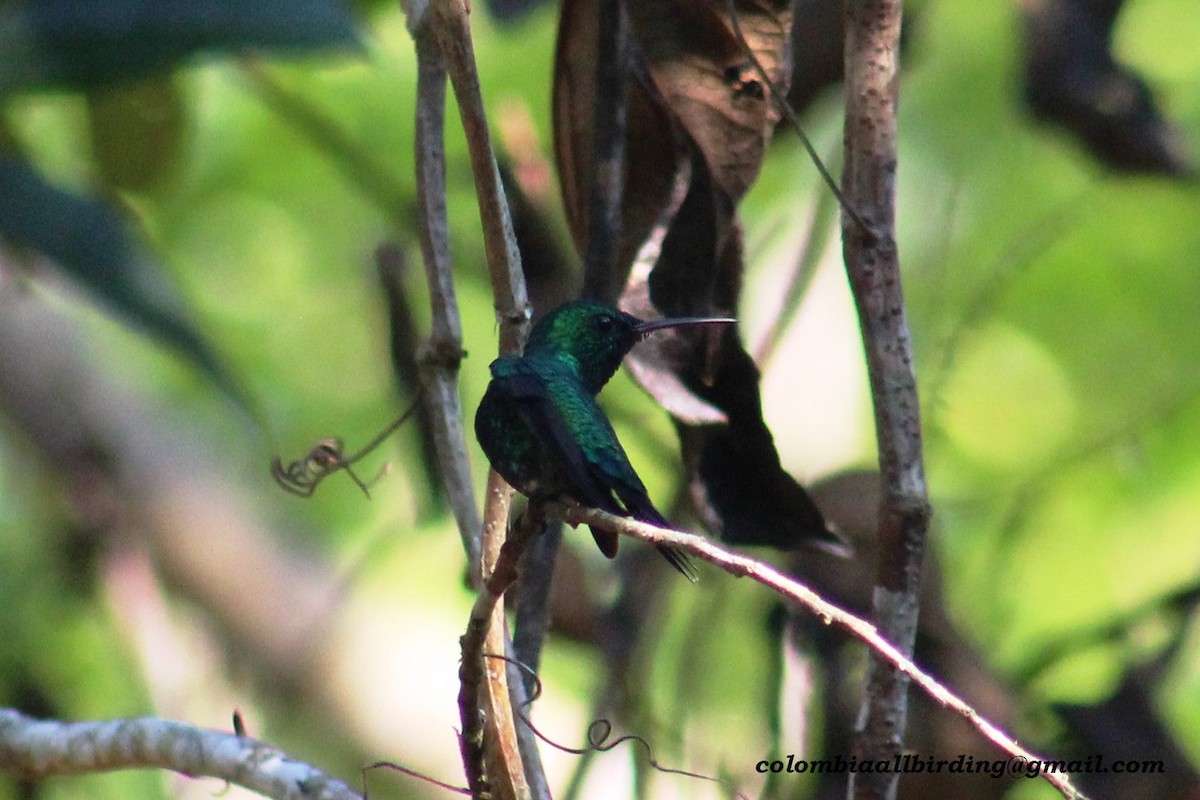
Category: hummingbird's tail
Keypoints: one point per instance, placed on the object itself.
(607, 541)
(680, 561)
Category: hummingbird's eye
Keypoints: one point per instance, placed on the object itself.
(605, 323)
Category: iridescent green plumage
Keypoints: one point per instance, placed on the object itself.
(540, 425)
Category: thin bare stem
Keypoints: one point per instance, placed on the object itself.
(301, 477)
(817, 231)
(742, 566)
(34, 749)
(780, 98)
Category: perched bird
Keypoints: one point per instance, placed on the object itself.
(540, 425)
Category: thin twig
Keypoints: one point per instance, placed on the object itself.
(743, 566)
(817, 230)
(392, 427)
(779, 96)
(301, 477)
(33, 749)
(412, 773)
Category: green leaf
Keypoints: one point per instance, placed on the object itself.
(88, 241)
(73, 44)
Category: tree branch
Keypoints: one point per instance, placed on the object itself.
(742, 566)
(453, 31)
(439, 359)
(491, 752)
(873, 265)
(489, 739)
(35, 748)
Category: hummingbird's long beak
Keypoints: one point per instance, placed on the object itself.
(644, 329)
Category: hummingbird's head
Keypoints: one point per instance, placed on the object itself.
(596, 337)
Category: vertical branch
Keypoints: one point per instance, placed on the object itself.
(439, 359)
(453, 32)
(533, 600)
(491, 755)
(872, 261)
(527, 741)
(491, 748)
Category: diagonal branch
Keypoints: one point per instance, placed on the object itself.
(742, 566)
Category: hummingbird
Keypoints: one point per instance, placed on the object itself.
(540, 426)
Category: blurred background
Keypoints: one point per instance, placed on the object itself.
(149, 564)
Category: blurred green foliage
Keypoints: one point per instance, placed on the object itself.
(1053, 310)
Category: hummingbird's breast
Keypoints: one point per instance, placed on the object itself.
(513, 424)
(507, 441)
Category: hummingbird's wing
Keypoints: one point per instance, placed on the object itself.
(608, 468)
(533, 393)
(573, 428)
(621, 478)
(532, 389)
